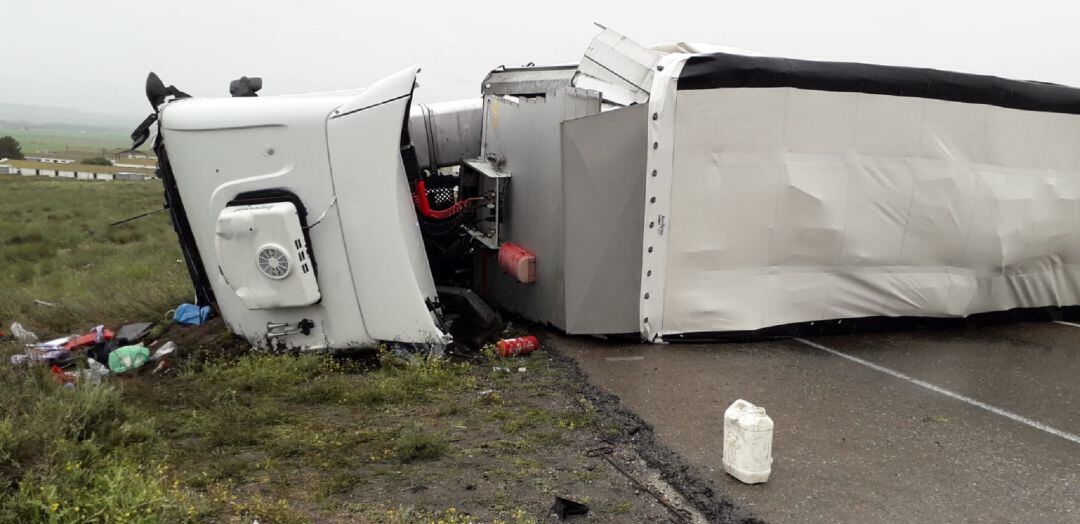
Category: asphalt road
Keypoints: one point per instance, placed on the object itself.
(967, 425)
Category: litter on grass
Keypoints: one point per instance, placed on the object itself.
(165, 350)
(22, 334)
(512, 347)
(128, 358)
(96, 336)
(191, 314)
(565, 508)
(132, 333)
(103, 349)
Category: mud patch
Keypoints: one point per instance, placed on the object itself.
(626, 428)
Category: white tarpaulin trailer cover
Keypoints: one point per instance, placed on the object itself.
(785, 191)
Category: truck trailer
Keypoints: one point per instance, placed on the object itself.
(670, 191)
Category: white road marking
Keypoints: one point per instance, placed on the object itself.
(952, 394)
(1062, 322)
(623, 359)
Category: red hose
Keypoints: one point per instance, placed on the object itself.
(420, 198)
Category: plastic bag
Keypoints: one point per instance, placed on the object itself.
(165, 350)
(22, 334)
(191, 314)
(127, 358)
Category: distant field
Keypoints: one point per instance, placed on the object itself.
(56, 246)
(36, 140)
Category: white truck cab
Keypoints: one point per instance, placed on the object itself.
(261, 180)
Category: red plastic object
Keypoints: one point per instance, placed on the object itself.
(518, 261)
(87, 340)
(63, 376)
(512, 347)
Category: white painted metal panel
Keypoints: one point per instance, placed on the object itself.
(220, 148)
(790, 205)
(378, 219)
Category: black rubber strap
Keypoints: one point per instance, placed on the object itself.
(722, 70)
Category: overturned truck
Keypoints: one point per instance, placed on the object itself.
(671, 191)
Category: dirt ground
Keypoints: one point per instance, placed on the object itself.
(516, 440)
(473, 444)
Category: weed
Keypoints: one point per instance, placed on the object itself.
(622, 507)
(447, 408)
(70, 455)
(222, 468)
(515, 445)
(343, 482)
(265, 374)
(416, 383)
(328, 389)
(120, 490)
(490, 399)
(236, 422)
(415, 444)
(267, 510)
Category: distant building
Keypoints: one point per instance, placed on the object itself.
(143, 163)
(74, 171)
(129, 154)
(50, 160)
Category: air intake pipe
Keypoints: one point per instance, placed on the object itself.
(446, 132)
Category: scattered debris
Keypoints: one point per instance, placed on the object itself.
(191, 314)
(54, 344)
(132, 333)
(504, 369)
(605, 452)
(104, 350)
(22, 334)
(100, 352)
(165, 350)
(35, 355)
(66, 379)
(128, 357)
(96, 336)
(162, 368)
(565, 508)
(512, 347)
(96, 369)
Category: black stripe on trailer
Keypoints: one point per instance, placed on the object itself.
(851, 326)
(723, 70)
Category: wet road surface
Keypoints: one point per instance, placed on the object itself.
(869, 441)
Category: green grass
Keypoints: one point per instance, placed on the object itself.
(80, 455)
(416, 444)
(36, 140)
(56, 247)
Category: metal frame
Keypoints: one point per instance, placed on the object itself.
(499, 180)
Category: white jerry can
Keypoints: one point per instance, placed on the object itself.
(747, 442)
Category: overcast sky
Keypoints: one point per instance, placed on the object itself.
(95, 54)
